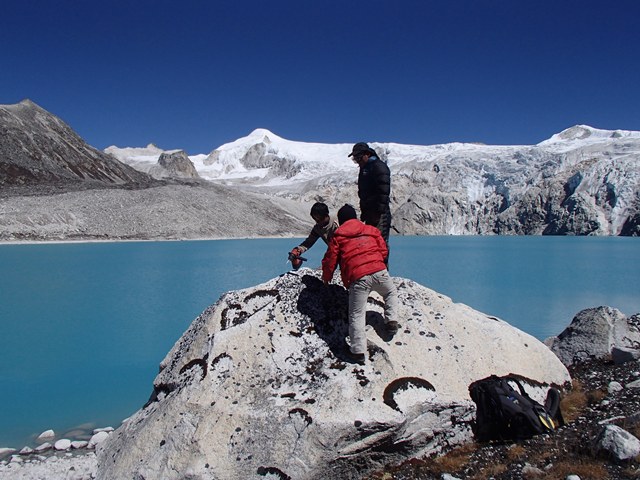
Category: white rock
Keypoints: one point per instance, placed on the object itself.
(267, 366)
(62, 445)
(44, 447)
(16, 459)
(573, 477)
(634, 384)
(26, 451)
(5, 451)
(615, 387)
(104, 429)
(448, 476)
(78, 444)
(620, 443)
(97, 439)
(46, 435)
(531, 471)
(595, 333)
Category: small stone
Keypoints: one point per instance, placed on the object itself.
(615, 387)
(634, 384)
(78, 444)
(44, 447)
(5, 452)
(62, 445)
(104, 429)
(617, 441)
(26, 451)
(97, 439)
(16, 459)
(531, 470)
(573, 477)
(46, 435)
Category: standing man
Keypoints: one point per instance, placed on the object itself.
(360, 250)
(374, 188)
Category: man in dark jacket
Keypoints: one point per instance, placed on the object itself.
(374, 188)
(360, 250)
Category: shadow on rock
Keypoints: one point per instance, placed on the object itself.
(327, 306)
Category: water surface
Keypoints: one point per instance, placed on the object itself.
(85, 326)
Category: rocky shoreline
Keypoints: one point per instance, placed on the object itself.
(601, 408)
(568, 451)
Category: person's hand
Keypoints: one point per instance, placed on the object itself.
(296, 252)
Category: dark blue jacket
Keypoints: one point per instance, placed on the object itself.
(374, 187)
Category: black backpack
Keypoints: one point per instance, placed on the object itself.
(506, 414)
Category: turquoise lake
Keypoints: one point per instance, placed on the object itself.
(85, 325)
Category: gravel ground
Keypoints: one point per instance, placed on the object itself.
(165, 212)
(569, 450)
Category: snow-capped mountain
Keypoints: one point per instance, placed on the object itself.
(581, 181)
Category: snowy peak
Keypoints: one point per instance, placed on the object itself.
(585, 134)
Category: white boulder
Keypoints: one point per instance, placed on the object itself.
(260, 385)
(46, 435)
(97, 439)
(62, 445)
(43, 447)
(6, 451)
(618, 442)
(598, 333)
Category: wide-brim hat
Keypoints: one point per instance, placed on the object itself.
(360, 148)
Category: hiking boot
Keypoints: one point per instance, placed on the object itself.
(392, 327)
(358, 358)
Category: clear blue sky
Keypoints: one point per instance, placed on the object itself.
(196, 74)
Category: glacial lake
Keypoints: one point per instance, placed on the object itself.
(85, 325)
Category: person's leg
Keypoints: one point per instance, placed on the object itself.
(384, 225)
(383, 284)
(358, 294)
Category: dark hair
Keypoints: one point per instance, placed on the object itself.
(346, 213)
(319, 209)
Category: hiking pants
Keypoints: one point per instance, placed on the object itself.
(358, 293)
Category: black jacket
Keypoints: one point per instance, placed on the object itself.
(374, 187)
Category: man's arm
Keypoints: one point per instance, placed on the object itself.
(310, 240)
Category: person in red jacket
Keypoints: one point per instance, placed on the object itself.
(360, 251)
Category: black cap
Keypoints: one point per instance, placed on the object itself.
(346, 213)
(360, 148)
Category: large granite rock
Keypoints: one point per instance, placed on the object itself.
(175, 164)
(259, 385)
(602, 333)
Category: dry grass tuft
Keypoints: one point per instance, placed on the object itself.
(455, 460)
(490, 471)
(586, 469)
(516, 452)
(573, 402)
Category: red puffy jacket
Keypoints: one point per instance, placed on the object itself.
(360, 250)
